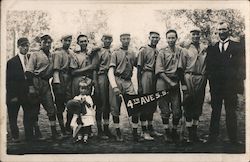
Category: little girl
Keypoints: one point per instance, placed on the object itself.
(82, 108)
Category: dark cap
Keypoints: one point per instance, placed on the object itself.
(46, 37)
(153, 32)
(22, 41)
(107, 36)
(124, 34)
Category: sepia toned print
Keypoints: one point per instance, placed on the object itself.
(82, 78)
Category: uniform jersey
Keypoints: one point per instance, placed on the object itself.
(79, 60)
(167, 61)
(193, 60)
(104, 56)
(123, 62)
(193, 63)
(40, 64)
(61, 59)
(147, 58)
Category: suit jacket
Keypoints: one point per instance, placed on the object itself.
(226, 69)
(16, 84)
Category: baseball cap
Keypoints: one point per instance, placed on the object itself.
(124, 34)
(195, 29)
(66, 36)
(22, 41)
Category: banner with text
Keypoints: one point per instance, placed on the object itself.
(136, 103)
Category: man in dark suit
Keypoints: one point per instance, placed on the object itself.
(17, 90)
(225, 68)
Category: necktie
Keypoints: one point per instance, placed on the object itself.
(222, 47)
(25, 61)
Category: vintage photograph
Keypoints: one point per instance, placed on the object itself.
(133, 78)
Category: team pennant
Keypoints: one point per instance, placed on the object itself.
(136, 103)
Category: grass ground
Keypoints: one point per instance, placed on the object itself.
(96, 145)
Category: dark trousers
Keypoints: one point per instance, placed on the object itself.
(230, 102)
(102, 98)
(29, 118)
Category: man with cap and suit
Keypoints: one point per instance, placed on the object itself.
(38, 72)
(193, 65)
(102, 87)
(120, 72)
(61, 78)
(17, 92)
(147, 82)
(168, 79)
(225, 68)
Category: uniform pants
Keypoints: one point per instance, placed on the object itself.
(45, 97)
(62, 92)
(126, 87)
(169, 104)
(102, 106)
(193, 99)
(148, 86)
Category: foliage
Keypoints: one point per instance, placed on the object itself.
(96, 22)
(25, 24)
(206, 20)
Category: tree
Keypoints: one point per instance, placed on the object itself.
(206, 20)
(25, 24)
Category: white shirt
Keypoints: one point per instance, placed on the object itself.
(22, 58)
(225, 42)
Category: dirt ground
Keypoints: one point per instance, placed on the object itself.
(96, 145)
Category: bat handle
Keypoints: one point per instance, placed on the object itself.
(120, 95)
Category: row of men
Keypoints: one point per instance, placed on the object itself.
(164, 69)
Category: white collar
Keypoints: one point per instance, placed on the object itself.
(19, 54)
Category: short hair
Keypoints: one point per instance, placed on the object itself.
(172, 31)
(46, 38)
(81, 35)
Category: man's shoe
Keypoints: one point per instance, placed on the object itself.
(68, 131)
(119, 138)
(175, 135)
(155, 134)
(108, 133)
(210, 140)
(147, 137)
(15, 140)
(38, 135)
(236, 143)
(152, 132)
(55, 135)
(135, 135)
(167, 136)
(103, 136)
